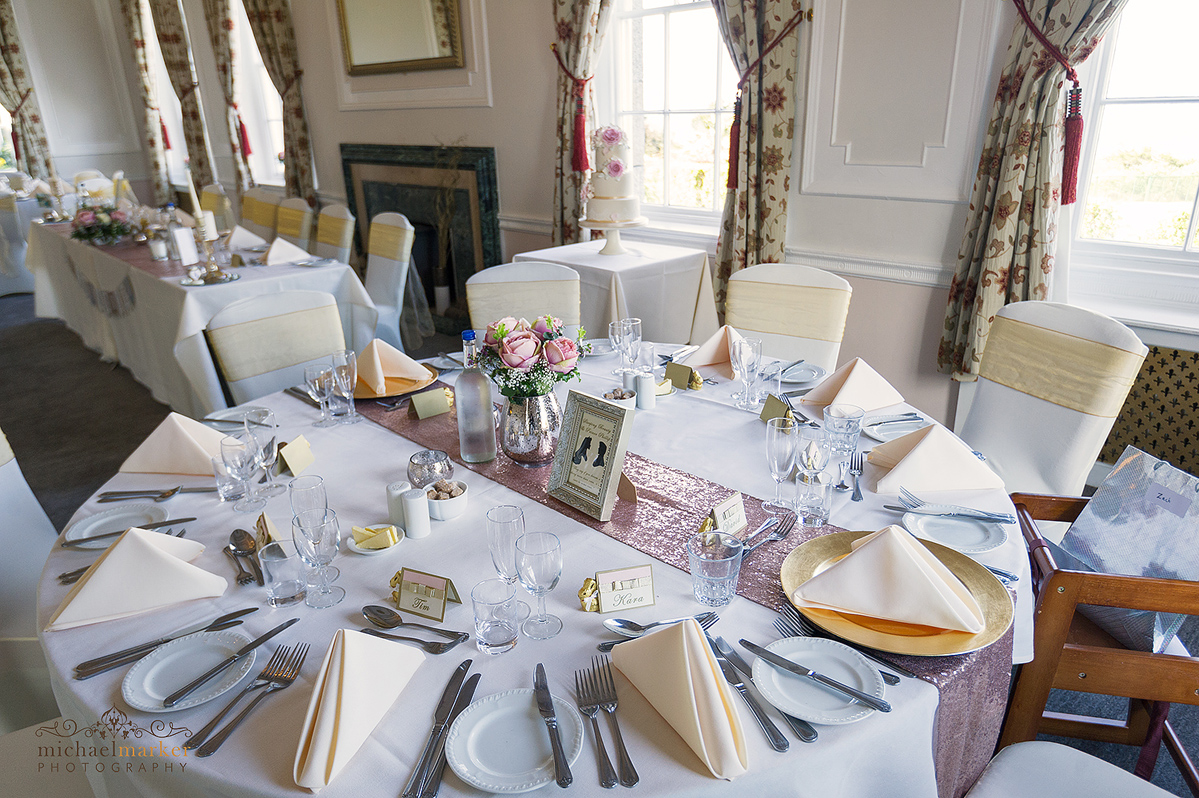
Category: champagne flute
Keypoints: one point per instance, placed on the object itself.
(747, 355)
(615, 338)
(308, 493)
(781, 440)
(539, 564)
(506, 524)
(261, 425)
(345, 374)
(239, 453)
(630, 341)
(318, 379)
(318, 538)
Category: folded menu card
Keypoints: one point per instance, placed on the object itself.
(892, 576)
(142, 571)
(855, 383)
(676, 672)
(717, 351)
(283, 251)
(179, 445)
(241, 238)
(932, 458)
(381, 362)
(359, 680)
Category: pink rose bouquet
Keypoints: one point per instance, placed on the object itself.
(526, 359)
(102, 224)
(520, 350)
(562, 354)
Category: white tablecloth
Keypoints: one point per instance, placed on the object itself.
(884, 755)
(14, 225)
(154, 326)
(668, 288)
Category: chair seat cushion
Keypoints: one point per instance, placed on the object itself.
(1050, 770)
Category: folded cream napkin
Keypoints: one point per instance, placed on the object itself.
(675, 670)
(179, 445)
(891, 575)
(855, 383)
(241, 238)
(932, 458)
(381, 363)
(283, 251)
(717, 351)
(142, 571)
(360, 679)
(185, 218)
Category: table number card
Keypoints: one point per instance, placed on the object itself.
(680, 375)
(729, 515)
(625, 588)
(427, 404)
(423, 594)
(297, 455)
(185, 239)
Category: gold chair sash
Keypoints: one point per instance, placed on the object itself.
(1084, 375)
(801, 311)
(260, 346)
(259, 212)
(8, 202)
(391, 242)
(293, 222)
(488, 302)
(217, 203)
(334, 231)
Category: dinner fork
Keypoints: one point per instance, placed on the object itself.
(855, 469)
(432, 647)
(279, 681)
(915, 503)
(781, 531)
(704, 623)
(601, 669)
(244, 577)
(809, 629)
(585, 693)
(273, 668)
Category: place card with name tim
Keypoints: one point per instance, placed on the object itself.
(423, 594)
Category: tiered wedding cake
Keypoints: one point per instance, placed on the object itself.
(609, 195)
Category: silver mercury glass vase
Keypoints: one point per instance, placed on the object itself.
(529, 429)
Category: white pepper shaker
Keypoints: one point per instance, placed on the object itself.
(646, 392)
(416, 513)
(395, 503)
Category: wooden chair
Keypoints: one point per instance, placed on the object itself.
(1072, 653)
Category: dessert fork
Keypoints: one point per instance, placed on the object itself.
(855, 469)
(601, 670)
(278, 681)
(586, 693)
(273, 668)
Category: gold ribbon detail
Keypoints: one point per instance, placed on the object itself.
(801, 311)
(294, 223)
(259, 212)
(394, 243)
(260, 346)
(334, 231)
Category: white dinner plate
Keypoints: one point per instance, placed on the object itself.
(966, 535)
(230, 419)
(803, 373)
(170, 666)
(803, 698)
(896, 429)
(600, 347)
(500, 743)
(115, 519)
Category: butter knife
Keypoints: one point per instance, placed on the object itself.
(777, 741)
(301, 394)
(545, 705)
(820, 678)
(177, 696)
(465, 695)
(805, 731)
(66, 544)
(441, 717)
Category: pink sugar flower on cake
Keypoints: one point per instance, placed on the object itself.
(614, 168)
(612, 135)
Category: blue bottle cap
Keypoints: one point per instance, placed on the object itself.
(468, 335)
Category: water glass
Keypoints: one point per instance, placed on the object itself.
(318, 538)
(747, 357)
(239, 452)
(781, 438)
(318, 380)
(505, 525)
(494, 602)
(284, 574)
(260, 422)
(615, 339)
(630, 341)
(715, 559)
(228, 487)
(813, 499)
(345, 377)
(844, 425)
(429, 465)
(539, 565)
(813, 449)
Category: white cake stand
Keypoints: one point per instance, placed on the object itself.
(612, 245)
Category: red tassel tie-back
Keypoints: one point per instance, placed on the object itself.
(166, 138)
(579, 160)
(242, 134)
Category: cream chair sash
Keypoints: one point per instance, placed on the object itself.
(802, 311)
(391, 242)
(294, 223)
(8, 202)
(1077, 373)
(259, 212)
(491, 301)
(335, 231)
(260, 346)
(5, 449)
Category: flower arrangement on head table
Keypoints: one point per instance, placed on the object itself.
(525, 359)
(104, 223)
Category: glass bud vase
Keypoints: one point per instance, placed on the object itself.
(529, 429)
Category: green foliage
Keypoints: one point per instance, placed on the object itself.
(1174, 232)
(1100, 221)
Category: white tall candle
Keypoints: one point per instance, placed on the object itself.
(191, 190)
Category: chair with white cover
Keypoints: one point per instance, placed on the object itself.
(213, 198)
(334, 233)
(797, 311)
(293, 222)
(1051, 381)
(262, 343)
(388, 261)
(524, 289)
(1041, 769)
(259, 209)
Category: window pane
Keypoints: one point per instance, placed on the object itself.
(1145, 174)
(653, 63)
(654, 171)
(1155, 51)
(692, 144)
(693, 43)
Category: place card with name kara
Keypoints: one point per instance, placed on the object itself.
(586, 470)
(625, 588)
(423, 594)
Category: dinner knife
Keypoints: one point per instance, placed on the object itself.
(777, 741)
(151, 492)
(545, 705)
(302, 395)
(805, 731)
(796, 668)
(66, 544)
(129, 659)
(441, 717)
(199, 627)
(177, 696)
(465, 696)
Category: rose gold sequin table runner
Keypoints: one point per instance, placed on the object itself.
(670, 506)
(136, 255)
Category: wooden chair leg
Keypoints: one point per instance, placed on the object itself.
(1186, 766)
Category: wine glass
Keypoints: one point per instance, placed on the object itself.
(781, 440)
(318, 379)
(506, 524)
(318, 538)
(539, 565)
(262, 426)
(345, 375)
(308, 493)
(615, 338)
(239, 453)
(747, 356)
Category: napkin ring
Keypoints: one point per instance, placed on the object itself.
(589, 595)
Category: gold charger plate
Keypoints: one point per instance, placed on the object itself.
(397, 386)
(809, 559)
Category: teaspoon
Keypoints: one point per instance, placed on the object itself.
(629, 628)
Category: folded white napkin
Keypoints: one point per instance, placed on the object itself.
(676, 672)
(855, 383)
(717, 352)
(283, 251)
(142, 571)
(185, 218)
(360, 679)
(891, 575)
(241, 238)
(932, 458)
(381, 362)
(179, 445)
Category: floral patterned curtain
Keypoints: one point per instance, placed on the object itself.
(763, 41)
(276, 38)
(220, 28)
(176, 54)
(1007, 252)
(580, 27)
(151, 120)
(17, 97)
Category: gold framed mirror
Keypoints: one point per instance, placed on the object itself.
(380, 36)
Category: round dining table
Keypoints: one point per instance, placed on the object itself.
(907, 752)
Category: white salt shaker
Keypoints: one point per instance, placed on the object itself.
(395, 503)
(630, 380)
(646, 392)
(416, 513)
